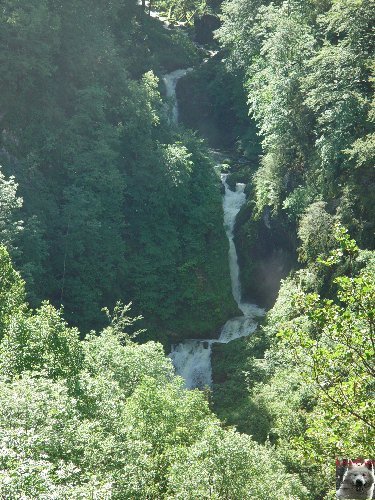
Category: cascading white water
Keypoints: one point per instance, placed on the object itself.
(192, 358)
(170, 81)
(192, 361)
(232, 203)
(246, 324)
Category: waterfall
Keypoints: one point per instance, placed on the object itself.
(232, 203)
(192, 358)
(192, 361)
(170, 81)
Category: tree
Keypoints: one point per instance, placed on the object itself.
(334, 347)
(12, 291)
(223, 464)
(10, 203)
(30, 34)
(316, 232)
(182, 10)
(307, 70)
(41, 342)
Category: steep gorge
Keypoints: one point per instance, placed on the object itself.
(192, 358)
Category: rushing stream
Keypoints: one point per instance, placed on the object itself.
(192, 358)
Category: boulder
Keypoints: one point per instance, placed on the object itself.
(204, 27)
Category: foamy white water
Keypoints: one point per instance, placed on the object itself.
(232, 203)
(170, 81)
(192, 361)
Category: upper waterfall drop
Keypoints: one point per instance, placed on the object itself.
(170, 81)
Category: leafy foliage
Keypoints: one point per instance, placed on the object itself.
(315, 221)
(9, 203)
(41, 342)
(181, 10)
(12, 290)
(118, 205)
(312, 391)
(308, 73)
(104, 417)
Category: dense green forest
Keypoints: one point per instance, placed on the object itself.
(116, 202)
(305, 380)
(104, 201)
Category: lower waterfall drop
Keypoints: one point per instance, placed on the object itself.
(192, 361)
(192, 358)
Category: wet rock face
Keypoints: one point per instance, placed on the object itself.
(266, 254)
(204, 27)
(268, 273)
(198, 108)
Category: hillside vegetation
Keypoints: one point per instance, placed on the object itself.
(104, 201)
(117, 203)
(305, 382)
